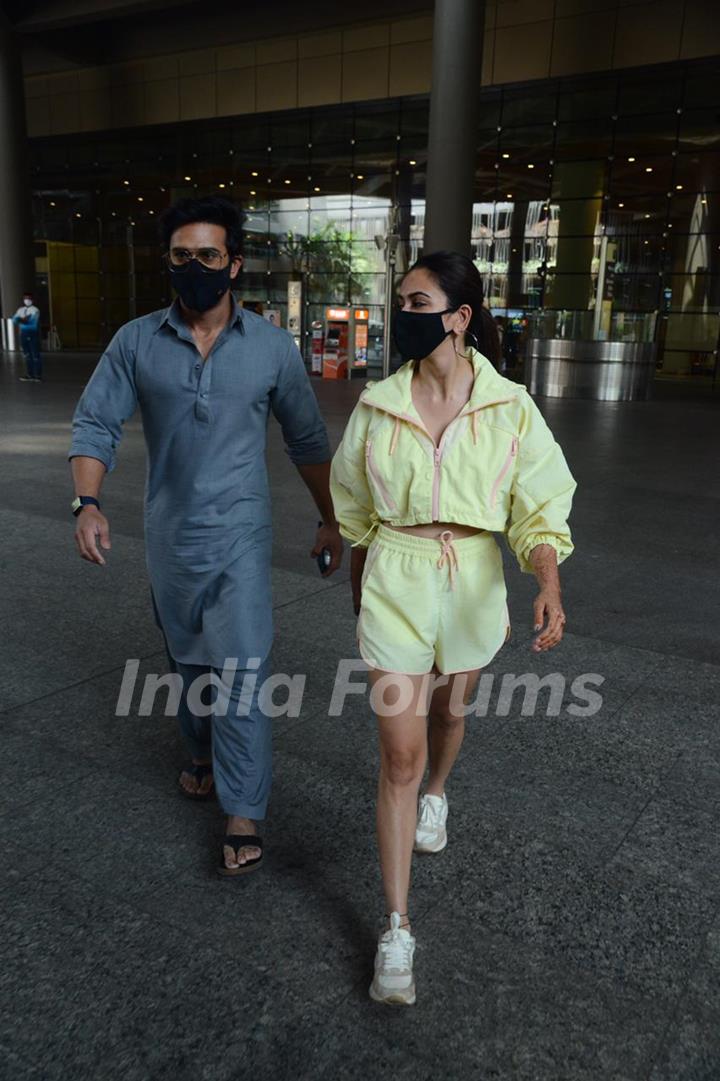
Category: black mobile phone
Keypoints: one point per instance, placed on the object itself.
(325, 558)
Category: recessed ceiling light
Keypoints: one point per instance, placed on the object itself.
(506, 155)
(140, 199)
(631, 159)
(287, 181)
(647, 215)
(621, 204)
(412, 162)
(52, 204)
(360, 177)
(648, 168)
(678, 187)
(254, 174)
(530, 166)
(221, 185)
(316, 189)
(126, 182)
(253, 193)
(509, 195)
(187, 178)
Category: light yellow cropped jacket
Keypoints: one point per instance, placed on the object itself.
(497, 465)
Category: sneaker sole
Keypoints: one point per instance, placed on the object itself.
(428, 850)
(394, 998)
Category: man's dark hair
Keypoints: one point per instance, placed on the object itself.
(207, 208)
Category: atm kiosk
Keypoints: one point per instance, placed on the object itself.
(346, 342)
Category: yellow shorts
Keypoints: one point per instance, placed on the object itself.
(432, 602)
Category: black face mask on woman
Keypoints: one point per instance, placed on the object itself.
(417, 334)
(200, 289)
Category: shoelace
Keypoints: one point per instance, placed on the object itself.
(395, 950)
(429, 815)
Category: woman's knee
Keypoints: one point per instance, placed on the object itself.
(442, 718)
(402, 766)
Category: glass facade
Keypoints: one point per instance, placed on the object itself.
(596, 211)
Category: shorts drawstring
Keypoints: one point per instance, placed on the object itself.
(448, 554)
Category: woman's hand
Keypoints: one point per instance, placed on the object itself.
(549, 619)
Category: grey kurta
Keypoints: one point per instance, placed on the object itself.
(207, 506)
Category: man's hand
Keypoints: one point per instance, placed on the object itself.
(548, 604)
(91, 527)
(329, 537)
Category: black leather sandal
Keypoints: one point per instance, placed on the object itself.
(236, 841)
(199, 772)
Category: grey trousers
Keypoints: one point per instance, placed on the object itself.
(237, 736)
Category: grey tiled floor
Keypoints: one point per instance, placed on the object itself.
(569, 932)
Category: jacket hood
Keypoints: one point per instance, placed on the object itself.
(393, 395)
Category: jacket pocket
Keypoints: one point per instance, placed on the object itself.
(509, 459)
(374, 475)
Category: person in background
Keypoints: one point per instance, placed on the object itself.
(27, 318)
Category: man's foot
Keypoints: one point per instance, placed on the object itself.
(431, 829)
(200, 784)
(394, 983)
(26, 379)
(36, 379)
(237, 827)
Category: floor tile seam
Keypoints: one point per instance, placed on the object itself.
(78, 683)
(312, 593)
(663, 1039)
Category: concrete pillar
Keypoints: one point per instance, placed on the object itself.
(456, 69)
(17, 262)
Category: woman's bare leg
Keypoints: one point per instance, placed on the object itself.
(446, 727)
(403, 753)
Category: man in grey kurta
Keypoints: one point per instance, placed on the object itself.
(207, 506)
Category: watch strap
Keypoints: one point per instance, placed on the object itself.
(83, 501)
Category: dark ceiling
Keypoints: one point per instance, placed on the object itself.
(57, 34)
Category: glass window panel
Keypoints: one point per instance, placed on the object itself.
(527, 107)
(698, 172)
(698, 292)
(587, 100)
(650, 93)
(645, 136)
(377, 122)
(702, 84)
(633, 177)
(527, 144)
(515, 183)
(699, 130)
(578, 179)
(634, 292)
(330, 125)
(489, 110)
(581, 141)
(328, 288)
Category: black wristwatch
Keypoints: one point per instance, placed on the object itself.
(83, 501)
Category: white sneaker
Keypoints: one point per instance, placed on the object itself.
(430, 832)
(393, 982)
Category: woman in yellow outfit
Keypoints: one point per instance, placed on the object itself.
(433, 461)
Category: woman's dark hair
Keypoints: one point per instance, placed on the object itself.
(208, 208)
(460, 281)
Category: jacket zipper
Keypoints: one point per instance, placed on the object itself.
(437, 455)
(506, 465)
(377, 478)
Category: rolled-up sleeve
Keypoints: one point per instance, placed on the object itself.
(109, 399)
(295, 407)
(542, 492)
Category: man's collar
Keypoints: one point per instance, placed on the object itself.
(173, 316)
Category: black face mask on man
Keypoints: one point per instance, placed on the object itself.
(418, 334)
(200, 289)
